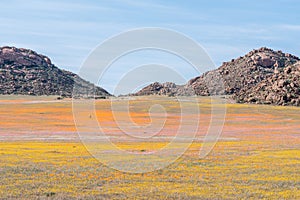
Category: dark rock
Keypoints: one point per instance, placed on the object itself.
(278, 90)
(25, 72)
(262, 76)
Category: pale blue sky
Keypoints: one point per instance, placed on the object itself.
(67, 31)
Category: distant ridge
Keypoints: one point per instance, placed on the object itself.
(237, 76)
(25, 72)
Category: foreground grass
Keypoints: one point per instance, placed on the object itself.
(66, 170)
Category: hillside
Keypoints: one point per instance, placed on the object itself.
(24, 72)
(234, 77)
(282, 88)
(168, 89)
(243, 72)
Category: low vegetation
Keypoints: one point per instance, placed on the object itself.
(257, 156)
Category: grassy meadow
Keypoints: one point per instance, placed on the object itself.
(41, 156)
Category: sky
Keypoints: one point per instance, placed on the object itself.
(68, 31)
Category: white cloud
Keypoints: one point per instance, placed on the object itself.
(289, 27)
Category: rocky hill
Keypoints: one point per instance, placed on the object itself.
(168, 89)
(23, 71)
(234, 77)
(243, 72)
(282, 88)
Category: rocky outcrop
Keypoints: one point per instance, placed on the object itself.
(168, 89)
(242, 78)
(243, 72)
(23, 71)
(282, 88)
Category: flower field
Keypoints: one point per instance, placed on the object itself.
(41, 157)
